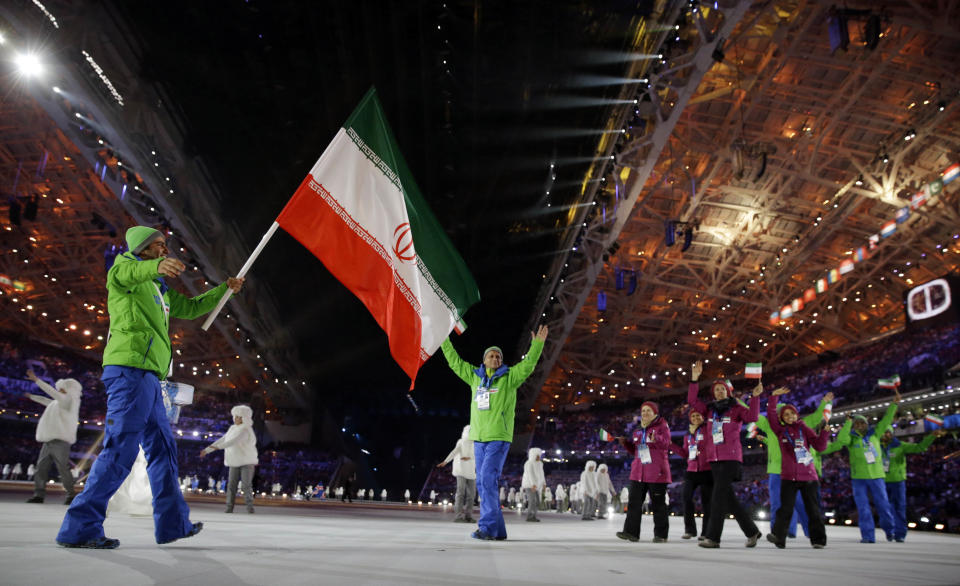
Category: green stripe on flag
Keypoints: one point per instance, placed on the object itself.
(436, 256)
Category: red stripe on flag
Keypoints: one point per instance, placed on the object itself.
(315, 218)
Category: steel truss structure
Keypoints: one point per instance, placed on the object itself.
(100, 154)
(781, 158)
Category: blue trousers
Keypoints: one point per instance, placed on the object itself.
(135, 416)
(897, 495)
(490, 457)
(799, 512)
(878, 492)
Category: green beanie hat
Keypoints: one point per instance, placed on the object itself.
(140, 237)
(493, 348)
(860, 418)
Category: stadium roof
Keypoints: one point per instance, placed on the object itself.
(554, 142)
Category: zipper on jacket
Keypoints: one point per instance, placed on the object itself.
(147, 353)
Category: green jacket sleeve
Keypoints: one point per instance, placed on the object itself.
(884, 424)
(521, 370)
(834, 446)
(763, 424)
(920, 448)
(185, 307)
(130, 272)
(457, 364)
(814, 418)
(843, 438)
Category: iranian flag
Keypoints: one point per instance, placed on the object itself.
(360, 212)
(605, 435)
(934, 419)
(889, 383)
(753, 370)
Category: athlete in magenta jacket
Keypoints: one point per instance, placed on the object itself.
(696, 475)
(650, 471)
(797, 471)
(725, 418)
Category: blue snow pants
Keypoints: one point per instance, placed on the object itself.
(135, 416)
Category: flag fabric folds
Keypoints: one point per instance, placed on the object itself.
(605, 436)
(889, 383)
(753, 370)
(361, 213)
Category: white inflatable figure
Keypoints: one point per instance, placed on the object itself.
(134, 496)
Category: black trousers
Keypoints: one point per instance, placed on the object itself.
(810, 493)
(658, 502)
(724, 501)
(691, 481)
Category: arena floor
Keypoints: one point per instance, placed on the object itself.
(371, 544)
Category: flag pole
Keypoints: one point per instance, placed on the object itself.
(240, 275)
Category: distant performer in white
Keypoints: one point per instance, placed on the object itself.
(239, 447)
(465, 472)
(57, 431)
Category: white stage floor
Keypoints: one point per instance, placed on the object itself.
(369, 545)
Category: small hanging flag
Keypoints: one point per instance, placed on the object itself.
(950, 173)
(903, 214)
(809, 295)
(889, 383)
(753, 370)
(774, 318)
(833, 276)
(874, 241)
(786, 311)
(601, 301)
(605, 436)
(934, 419)
(827, 411)
(846, 266)
(752, 431)
(888, 229)
(821, 285)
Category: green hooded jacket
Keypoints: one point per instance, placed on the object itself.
(858, 447)
(495, 423)
(895, 458)
(773, 443)
(140, 308)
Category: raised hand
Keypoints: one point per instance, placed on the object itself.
(828, 397)
(758, 390)
(541, 334)
(696, 370)
(780, 391)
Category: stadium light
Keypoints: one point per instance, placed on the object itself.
(28, 64)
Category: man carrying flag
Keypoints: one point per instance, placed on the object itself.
(493, 401)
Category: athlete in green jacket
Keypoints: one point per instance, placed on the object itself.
(772, 442)
(140, 306)
(895, 463)
(493, 400)
(866, 469)
(136, 358)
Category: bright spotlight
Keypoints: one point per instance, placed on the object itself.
(56, 90)
(29, 65)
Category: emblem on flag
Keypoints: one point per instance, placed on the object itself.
(753, 370)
